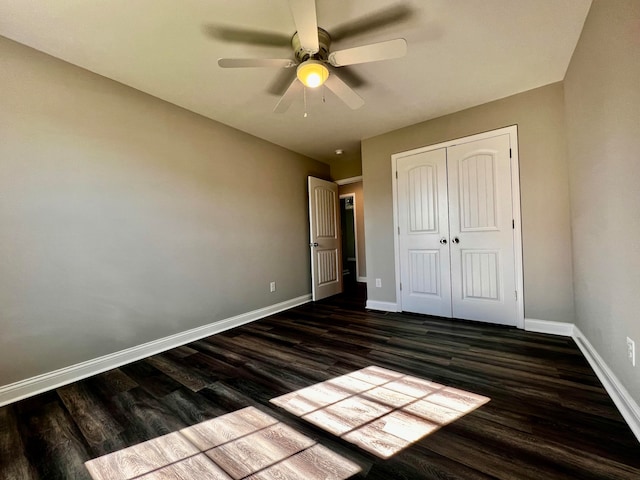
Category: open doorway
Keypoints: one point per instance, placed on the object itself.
(349, 241)
(354, 260)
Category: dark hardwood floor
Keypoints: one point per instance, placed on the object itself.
(548, 416)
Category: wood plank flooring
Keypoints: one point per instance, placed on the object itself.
(548, 416)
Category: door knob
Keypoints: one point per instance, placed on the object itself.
(314, 244)
(455, 240)
(443, 241)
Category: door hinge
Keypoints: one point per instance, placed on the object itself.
(400, 286)
(396, 174)
(510, 154)
(516, 295)
(398, 230)
(513, 224)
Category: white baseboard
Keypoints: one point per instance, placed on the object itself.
(362, 279)
(384, 306)
(626, 404)
(546, 326)
(57, 378)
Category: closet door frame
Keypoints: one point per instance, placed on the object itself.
(512, 131)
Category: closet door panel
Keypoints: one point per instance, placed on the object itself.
(480, 222)
(424, 233)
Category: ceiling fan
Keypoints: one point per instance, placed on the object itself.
(313, 57)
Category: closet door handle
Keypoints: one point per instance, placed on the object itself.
(455, 240)
(443, 241)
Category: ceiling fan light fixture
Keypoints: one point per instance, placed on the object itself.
(312, 73)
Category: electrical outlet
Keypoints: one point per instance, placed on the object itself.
(272, 287)
(631, 351)
(378, 282)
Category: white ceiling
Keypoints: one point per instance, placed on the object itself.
(461, 53)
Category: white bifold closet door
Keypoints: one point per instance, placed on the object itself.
(456, 241)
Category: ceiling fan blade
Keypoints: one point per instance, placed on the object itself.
(372, 21)
(344, 92)
(281, 82)
(289, 96)
(350, 77)
(306, 20)
(255, 62)
(369, 53)
(248, 36)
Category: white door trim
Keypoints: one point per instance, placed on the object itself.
(347, 181)
(515, 190)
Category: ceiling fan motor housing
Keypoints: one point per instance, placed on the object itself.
(324, 41)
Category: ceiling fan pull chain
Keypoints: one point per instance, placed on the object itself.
(304, 95)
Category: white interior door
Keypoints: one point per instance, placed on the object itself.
(455, 231)
(424, 233)
(483, 281)
(325, 242)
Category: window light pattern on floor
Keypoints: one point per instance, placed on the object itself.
(245, 444)
(380, 410)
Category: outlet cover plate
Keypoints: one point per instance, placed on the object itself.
(631, 351)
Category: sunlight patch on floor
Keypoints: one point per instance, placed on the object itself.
(245, 444)
(380, 410)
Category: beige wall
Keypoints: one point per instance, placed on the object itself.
(348, 165)
(124, 219)
(602, 88)
(539, 115)
(356, 189)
